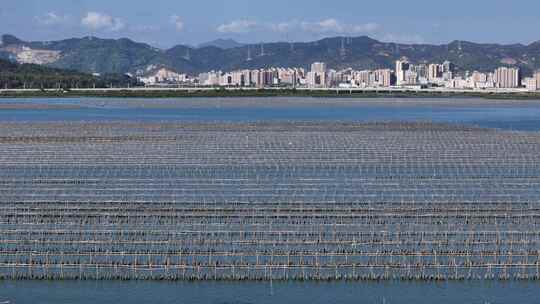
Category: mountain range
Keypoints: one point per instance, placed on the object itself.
(222, 44)
(96, 55)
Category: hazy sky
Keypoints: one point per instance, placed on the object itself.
(164, 23)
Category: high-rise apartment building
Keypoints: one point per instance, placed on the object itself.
(435, 71)
(411, 77)
(383, 78)
(402, 66)
(255, 78)
(317, 76)
(448, 67)
(507, 77)
(319, 67)
(363, 78)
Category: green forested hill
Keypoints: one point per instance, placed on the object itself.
(16, 76)
(92, 54)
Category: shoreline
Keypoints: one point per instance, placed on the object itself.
(234, 92)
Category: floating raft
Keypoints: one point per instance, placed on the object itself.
(268, 201)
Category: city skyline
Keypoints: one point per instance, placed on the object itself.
(405, 75)
(168, 23)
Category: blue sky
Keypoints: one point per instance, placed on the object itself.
(164, 23)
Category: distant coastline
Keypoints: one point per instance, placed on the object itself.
(270, 92)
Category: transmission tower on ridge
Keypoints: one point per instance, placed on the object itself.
(249, 54)
(343, 50)
(187, 56)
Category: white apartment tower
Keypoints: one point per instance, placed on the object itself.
(402, 66)
(435, 71)
(383, 77)
(507, 77)
(317, 75)
(318, 67)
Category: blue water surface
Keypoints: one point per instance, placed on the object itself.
(505, 114)
(113, 292)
